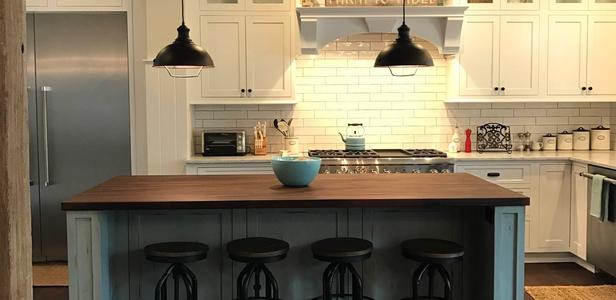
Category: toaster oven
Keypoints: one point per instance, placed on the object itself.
(224, 143)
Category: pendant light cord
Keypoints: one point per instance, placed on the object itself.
(183, 12)
(403, 12)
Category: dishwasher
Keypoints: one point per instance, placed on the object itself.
(602, 235)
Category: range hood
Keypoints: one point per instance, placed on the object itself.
(440, 25)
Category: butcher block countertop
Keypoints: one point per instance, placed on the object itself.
(264, 191)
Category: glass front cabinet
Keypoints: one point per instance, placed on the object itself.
(504, 4)
(583, 4)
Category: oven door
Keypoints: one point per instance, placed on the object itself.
(602, 235)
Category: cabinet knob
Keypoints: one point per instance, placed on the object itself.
(590, 88)
(503, 88)
(583, 88)
(250, 90)
(243, 90)
(496, 88)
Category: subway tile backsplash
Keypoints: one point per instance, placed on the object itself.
(340, 86)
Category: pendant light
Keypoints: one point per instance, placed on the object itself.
(183, 55)
(403, 52)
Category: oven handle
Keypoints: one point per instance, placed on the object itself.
(589, 175)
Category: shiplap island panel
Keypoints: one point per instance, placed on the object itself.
(110, 224)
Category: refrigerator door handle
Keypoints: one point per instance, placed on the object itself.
(45, 90)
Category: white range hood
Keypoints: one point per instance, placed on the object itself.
(441, 25)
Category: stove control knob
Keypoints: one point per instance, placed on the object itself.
(326, 171)
(386, 171)
(433, 171)
(374, 171)
(416, 171)
(446, 171)
(338, 171)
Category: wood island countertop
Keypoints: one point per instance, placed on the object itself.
(264, 191)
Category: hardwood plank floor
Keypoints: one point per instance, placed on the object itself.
(536, 274)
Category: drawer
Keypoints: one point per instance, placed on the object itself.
(500, 174)
(236, 170)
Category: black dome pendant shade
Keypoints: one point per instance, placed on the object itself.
(183, 54)
(403, 52)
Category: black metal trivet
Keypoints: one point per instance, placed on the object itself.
(494, 137)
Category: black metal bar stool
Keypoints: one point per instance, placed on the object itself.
(341, 253)
(256, 252)
(177, 254)
(433, 254)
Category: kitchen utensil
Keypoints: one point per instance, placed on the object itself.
(581, 139)
(282, 126)
(536, 146)
(565, 141)
(549, 142)
(494, 137)
(354, 139)
(296, 171)
(600, 138)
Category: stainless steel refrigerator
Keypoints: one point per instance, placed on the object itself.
(78, 103)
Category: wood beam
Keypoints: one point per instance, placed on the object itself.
(15, 236)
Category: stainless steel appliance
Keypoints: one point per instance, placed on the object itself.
(602, 235)
(224, 143)
(383, 161)
(78, 98)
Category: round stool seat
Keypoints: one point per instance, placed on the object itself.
(176, 252)
(342, 249)
(432, 250)
(258, 249)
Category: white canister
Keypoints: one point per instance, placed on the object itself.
(581, 139)
(291, 144)
(549, 142)
(565, 141)
(600, 138)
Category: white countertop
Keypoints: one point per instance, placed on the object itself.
(605, 159)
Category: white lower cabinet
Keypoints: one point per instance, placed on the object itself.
(579, 210)
(252, 168)
(548, 217)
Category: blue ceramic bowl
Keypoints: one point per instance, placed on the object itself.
(296, 171)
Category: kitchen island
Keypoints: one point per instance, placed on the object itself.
(109, 225)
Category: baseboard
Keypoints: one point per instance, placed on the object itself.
(558, 257)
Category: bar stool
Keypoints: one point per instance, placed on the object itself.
(433, 254)
(177, 254)
(341, 253)
(256, 252)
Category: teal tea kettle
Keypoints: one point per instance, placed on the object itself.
(354, 139)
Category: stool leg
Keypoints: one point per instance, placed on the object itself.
(447, 281)
(161, 286)
(417, 279)
(273, 284)
(243, 295)
(358, 286)
(341, 283)
(257, 286)
(328, 277)
(193, 280)
(240, 281)
(187, 284)
(176, 285)
(431, 281)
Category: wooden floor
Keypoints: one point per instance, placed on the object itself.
(536, 274)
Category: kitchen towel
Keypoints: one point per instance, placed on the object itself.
(599, 194)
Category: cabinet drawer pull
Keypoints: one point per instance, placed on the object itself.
(493, 174)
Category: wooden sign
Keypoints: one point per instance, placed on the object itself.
(339, 3)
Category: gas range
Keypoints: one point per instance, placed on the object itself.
(383, 161)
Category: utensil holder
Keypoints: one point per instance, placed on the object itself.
(291, 144)
(262, 148)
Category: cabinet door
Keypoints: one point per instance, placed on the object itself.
(479, 56)
(528, 213)
(224, 37)
(271, 5)
(579, 210)
(519, 55)
(520, 4)
(568, 4)
(484, 4)
(36, 3)
(602, 4)
(566, 57)
(268, 56)
(601, 59)
(554, 207)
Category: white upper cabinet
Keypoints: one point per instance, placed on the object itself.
(566, 59)
(255, 5)
(519, 55)
(499, 56)
(479, 56)
(224, 37)
(268, 59)
(504, 4)
(252, 57)
(583, 4)
(601, 58)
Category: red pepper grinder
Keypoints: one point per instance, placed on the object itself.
(467, 143)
